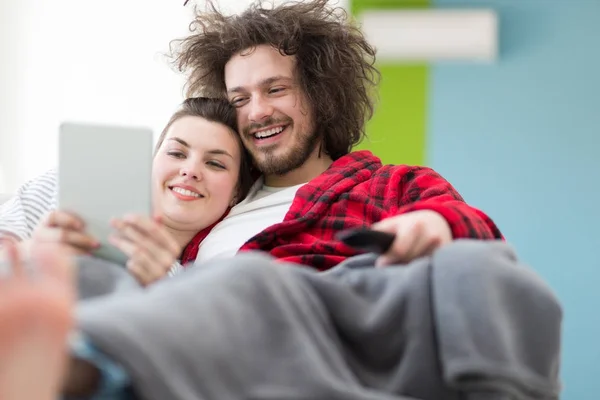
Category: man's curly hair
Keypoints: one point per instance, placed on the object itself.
(334, 61)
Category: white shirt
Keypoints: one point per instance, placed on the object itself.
(264, 206)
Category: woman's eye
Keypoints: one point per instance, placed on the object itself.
(176, 154)
(216, 164)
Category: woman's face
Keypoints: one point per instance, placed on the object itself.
(195, 173)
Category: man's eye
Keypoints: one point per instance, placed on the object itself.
(237, 101)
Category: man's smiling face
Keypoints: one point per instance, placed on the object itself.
(274, 118)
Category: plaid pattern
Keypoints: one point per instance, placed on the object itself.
(358, 191)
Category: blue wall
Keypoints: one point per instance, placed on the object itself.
(521, 140)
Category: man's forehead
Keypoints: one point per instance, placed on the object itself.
(258, 66)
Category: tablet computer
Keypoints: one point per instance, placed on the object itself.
(104, 172)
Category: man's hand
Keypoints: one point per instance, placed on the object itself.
(418, 233)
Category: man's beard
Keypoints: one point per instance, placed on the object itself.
(293, 158)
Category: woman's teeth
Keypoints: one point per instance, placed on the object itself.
(186, 192)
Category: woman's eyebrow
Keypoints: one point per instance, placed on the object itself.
(219, 152)
(181, 141)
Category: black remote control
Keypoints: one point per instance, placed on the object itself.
(367, 240)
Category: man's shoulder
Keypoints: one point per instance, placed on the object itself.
(359, 168)
(401, 170)
(366, 157)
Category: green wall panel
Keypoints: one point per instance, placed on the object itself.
(397, 132)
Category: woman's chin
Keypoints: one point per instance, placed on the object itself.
(181, 222)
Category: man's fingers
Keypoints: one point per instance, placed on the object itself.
(418, 234)
(399, 252)
(405, 246)
(410, 244)
(419, 248)
(389, 225)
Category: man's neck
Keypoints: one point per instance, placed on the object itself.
(312, 168)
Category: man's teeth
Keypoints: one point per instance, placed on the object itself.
(269, 132)
(186, 192)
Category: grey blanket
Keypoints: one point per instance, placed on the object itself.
(470, 322)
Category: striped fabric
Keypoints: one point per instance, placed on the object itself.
(21, 214)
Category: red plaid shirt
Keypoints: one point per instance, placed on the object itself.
(358, 191)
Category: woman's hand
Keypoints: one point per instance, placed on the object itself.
(66, 229)
(150, 248)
